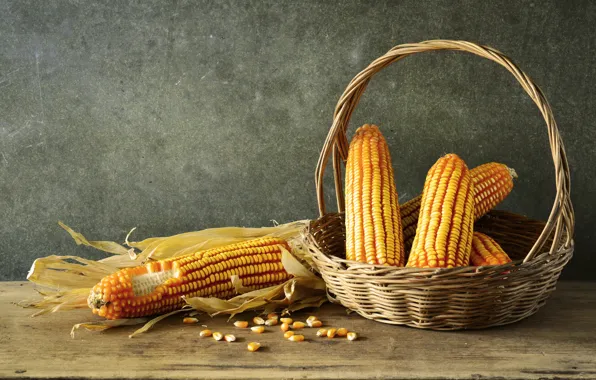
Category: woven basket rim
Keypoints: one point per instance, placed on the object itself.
(561, 220)
(350, 266)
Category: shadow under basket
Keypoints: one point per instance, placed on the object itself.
(441, 298)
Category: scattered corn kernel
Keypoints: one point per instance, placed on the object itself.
(284, 327)
(272, 316)
(311, 319)
(287, 320)
(241, 324)
(352, 335)
(342, 332)
(253, 346)
(217, 336)
(331, 333)
(316, 323)
(296, 338)
(298, 325)
(230, 338)
(258, 329)
(190, 320)
(258, 321)
(205, 333)
(322, 332)
(271, 322)
(288, 334)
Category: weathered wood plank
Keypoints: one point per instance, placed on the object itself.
(558, 342)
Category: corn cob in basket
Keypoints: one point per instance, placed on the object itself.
(444, 233)
(492, 183)
(373, 224)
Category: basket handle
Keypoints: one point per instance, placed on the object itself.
(561, 219)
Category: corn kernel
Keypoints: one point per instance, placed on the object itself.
(352, 335)
(258, 321)
(298, 325)
(253, 346)
(189, 320)
(296, 338)
(331, 333)
(241, 324)
(217, 336)
(311, 319)
(271, 322)
(284, 327)
(342, 332)
(230, 338)
(205, 333)
(287, 320)
(272, 316)
(258, 329)
(322, 332)
(288, 334)
(315, 324)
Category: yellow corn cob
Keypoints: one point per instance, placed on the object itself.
(492, 183)
(486, 251)
(373, 225)
(158, 287)
(444, 232)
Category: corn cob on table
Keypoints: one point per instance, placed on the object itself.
(558, 342)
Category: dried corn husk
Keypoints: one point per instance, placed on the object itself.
(71, 278)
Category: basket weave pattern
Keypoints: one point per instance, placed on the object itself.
(456, 298)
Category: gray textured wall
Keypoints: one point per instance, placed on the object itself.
(177, 116)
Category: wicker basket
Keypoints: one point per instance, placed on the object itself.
(445, 299)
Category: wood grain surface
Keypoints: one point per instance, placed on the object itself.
(558, 342)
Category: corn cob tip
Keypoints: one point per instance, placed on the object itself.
(367, 128)
(512, 172)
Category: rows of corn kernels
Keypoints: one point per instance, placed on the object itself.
(433, 230)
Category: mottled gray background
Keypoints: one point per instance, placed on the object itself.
(177, 116)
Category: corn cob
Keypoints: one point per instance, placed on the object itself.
(492, 183)
(444, 232)
(158, 287)
(486, 251)
(373, 225)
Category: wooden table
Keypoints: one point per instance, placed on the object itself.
(558, 342)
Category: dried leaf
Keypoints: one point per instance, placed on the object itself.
(106, 324)
(106, 246)
(315, 301)
(58, 273)
(240, 289)
(54, 301)
(155, 320)
(181, 244)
